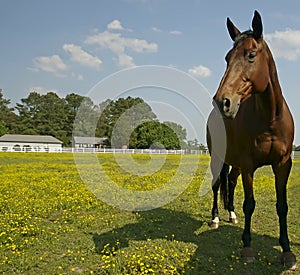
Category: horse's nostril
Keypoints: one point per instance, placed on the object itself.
(226, 102)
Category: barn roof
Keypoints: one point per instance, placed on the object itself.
(89, 140)
(29, 139)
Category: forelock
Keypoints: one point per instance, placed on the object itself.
(244, 35)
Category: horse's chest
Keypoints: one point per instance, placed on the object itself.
(245, 145)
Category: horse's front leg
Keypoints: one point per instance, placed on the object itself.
(232, 181)
(281, 177)
(248, 208)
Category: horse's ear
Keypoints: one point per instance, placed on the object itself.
(232, 29)
(257, 26)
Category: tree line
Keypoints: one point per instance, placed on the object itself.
(124, 122)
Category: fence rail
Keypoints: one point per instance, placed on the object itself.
(133, 151)
(295, 154)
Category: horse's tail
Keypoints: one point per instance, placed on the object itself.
(224, 184)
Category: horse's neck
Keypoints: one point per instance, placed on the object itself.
(270, 102)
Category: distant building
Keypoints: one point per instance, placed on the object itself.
(29, 143)
(89, 142)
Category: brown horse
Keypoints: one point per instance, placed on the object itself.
(249, 127)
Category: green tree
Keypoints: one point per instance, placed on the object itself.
(43, 115)
(102, 124)
(73, 102)
(119, 119)
(203, 147)
(125, 121)
(156, 135)
(86, 119)
(7, 116)
(193, 144)
(52, 117)
(179, 131)
(28, 110)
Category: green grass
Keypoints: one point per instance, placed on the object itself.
(51, 223)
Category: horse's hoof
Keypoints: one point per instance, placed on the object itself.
(233, 221)
(288, 259)
(214, 225)
(248, 254)
(232, 218)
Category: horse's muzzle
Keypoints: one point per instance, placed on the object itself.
(228, 107)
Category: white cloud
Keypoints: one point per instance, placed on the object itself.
(173, 32)
(285, 44)
(80, 77)
(176, 32)
(125, 61)
(199, 71)
(41, 90)
(140, 45)
(82, 57)
(156, 29)
(52, 64)
(119, 44)
(115, 25)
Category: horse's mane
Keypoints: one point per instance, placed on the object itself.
(244, 35)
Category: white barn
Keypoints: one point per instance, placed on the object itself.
(29, 143)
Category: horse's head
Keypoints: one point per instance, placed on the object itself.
(247, 69)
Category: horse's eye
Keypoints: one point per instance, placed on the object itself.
(251, 56)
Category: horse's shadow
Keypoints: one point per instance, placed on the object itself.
(217, 250)
(153, 224)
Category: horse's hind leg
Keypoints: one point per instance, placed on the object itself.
(215, 211)
(218, 169)
(232, 181)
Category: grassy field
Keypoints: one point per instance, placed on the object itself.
(51, 223)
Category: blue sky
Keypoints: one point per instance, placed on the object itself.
(69, 46)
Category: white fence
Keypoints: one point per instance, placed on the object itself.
(296, 155)
(133, 151)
